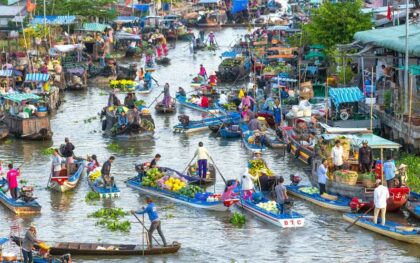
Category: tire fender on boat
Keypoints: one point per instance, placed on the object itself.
(288, 148)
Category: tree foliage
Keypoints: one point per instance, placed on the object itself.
(85, 8)
(333, 24)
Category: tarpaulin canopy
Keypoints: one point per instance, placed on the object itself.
(208, 1)
(393, 38)
(314, 54)
(239, 5)
(126, 19)
(345, 95)
(142, 7)
(54, 20)
(96, 27)
(6, 73)
(413, 69)
(121, 35)
(37, 77)
(229, 54)
(374, 141)
(19, 97)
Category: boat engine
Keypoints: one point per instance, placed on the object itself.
(295, 179)
(184, 120)
(26, 194)
(66, 258)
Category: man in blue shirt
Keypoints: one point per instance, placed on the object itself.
(154, 219)
(322, 176)
(389, 171)
(122, 121)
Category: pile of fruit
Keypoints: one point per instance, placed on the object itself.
(257, 167)
(277, 68)
(95, 174)
(172, 183)
(229, 106)
(309, 190)
(270, 206)
(190, 191)
(231, 62)
(123, 85)
(152, 176)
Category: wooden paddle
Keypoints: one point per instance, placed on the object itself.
(155, 100)
(138, 219)
(188, 165)
(358, 218)
(221, 175)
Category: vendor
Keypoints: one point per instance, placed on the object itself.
(365, 158)
(122, 121)
(322, 176)
(129, 100)
(204, 102)
(337, 155)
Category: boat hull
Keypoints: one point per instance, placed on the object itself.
(183, 101)
(213, 206)
(20, 207)
(103, 192)
(391, 229)
(64, 184)
(411, 207)
(246, 133)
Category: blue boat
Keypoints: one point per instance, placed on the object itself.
(391, 229)
(232, 131)
(203, 124)
(104, 192)
(414, 208)
(19, 207)
(135, 183)
(246, 133)
(285, 220)
(414, 196)
(341, 204)
(142, 89)
(184, 102)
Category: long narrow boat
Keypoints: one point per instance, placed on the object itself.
(104, 192)
(246, 133)
(390, 229)
(175, 197)
(161, 108)
(232, 131)
(193, 178)
(19, 206)
(341, 204)
(184, 102)
(204, 124)
(285, 220)
(66, 183)
(414, 208)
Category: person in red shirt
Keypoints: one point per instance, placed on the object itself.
(12, 175)
(204, 102)
(213, 79)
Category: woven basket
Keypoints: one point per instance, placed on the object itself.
(350, 179)
(369, 183)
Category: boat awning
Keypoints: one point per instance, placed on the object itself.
(314, 54)
(345, 95)
(19, 97)
(95, 27)
(413, 69)
(208, 1)
(6, 73)
(54, 20)
(335, 130)
(3, 241)
(37, 77)
(67, 48)
(126, 19)
(229, 54)
(374, 141)
(279, 79)
(121, 35)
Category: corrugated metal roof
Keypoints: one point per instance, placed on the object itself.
(345, 95)
(393, 38)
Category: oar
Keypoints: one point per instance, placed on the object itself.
(188, 165)
(221, 175)
(138, 219)
(49, 179)
(155, 100)
(355, 221)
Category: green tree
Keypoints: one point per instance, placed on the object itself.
(333, 24)
(85, 8)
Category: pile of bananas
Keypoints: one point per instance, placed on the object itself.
(258, 168)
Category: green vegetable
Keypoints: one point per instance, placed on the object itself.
(110, 218)
(413, 167)
(114, 147)
(92, 196)
(237, 219)
(47, 151)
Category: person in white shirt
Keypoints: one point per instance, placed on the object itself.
(380, 196)
(223, 99)
(202, 156)
(247, 184)
(337, 155)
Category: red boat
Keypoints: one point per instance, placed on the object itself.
(398, 198)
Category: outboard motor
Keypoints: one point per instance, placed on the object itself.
(26, 194)
(295, 179)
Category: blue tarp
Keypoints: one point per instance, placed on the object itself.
(229, 54)
(54, 20)
(345, 95)
(6, 73)
(208, 1)
(37, 77)
(142, 7)
(239, 5)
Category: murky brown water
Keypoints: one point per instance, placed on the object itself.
(205, 236)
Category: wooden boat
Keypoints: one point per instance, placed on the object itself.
(204, 124)
(66, 183)
(272, 140)
(163, 61)
(4, 131)
(146, 128)
(391, 229)
(246, 133)
(175, 197)
(103, 249)
(298, 151)
(143, 89)
(232, 131)
(184, 102)
(192, 176)
(33, 128)
(285, 220)
(414, 208)
(341, 204)
(75, 76)
(160, 108)
(19, 207)
(104, 192)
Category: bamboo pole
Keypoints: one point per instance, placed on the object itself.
(327, 110)
(371, 103)
(410, 105)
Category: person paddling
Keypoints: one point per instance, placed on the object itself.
(28, 243)
(154, 220)
(202, 157)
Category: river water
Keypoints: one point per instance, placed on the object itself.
(205, 236)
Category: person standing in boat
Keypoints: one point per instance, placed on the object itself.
(277, 113)
(12, 175)
(93, 164)
(154, 220)
(380, 197)
(337, 156)
(322, 176)
(247, 184)
(106, 172)
(56, 163)
(247, 101)
(389, 171)
(68, 151)
(281, 194)
(365, 158)
(202, 157)
(28, 243)
(166, 96)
